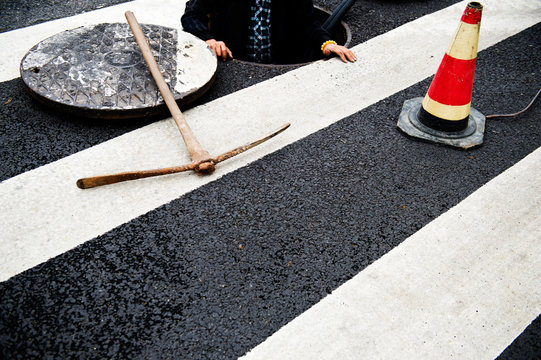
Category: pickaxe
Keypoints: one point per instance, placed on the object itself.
(202, 161)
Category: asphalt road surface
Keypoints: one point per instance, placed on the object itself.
(340, 238)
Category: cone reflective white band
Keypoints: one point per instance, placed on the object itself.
(447, 103)
(462, 47)
(447, 112)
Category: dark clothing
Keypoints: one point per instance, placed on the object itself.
(296, 36)
(259, 32)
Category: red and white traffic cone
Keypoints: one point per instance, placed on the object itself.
(445, 114)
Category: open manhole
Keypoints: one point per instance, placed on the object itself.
(98, 71)
(341, 34)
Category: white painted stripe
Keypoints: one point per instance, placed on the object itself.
(20, 41)
(48, 215)
(463, 287)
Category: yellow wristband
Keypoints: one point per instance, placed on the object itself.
(327, 43)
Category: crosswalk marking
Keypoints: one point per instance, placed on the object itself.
(49, 215)
(463, 287)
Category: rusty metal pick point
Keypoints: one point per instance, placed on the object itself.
(241, 149)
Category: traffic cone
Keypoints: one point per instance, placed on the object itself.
(445, 114)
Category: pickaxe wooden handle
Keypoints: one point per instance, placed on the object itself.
(197, 153)
(202, 162)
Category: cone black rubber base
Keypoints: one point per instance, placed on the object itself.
(471, 136)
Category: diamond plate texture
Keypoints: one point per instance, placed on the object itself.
(98, 71)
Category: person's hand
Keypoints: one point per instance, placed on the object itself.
(220, 49)
(342, 51)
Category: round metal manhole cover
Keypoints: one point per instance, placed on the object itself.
(98, 71)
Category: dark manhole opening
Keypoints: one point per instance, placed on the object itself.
(341, 34)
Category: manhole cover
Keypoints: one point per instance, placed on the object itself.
(98, 71)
